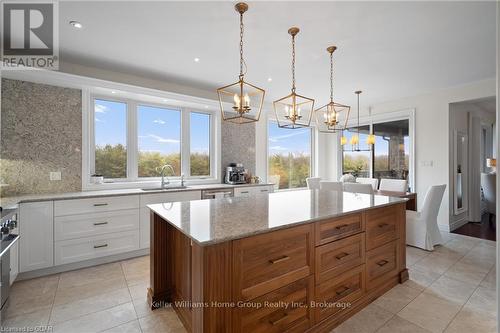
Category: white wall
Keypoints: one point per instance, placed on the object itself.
(431, 135)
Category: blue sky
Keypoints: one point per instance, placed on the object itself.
(159, 129)
(284, 140)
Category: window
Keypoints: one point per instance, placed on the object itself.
(391, 150)
(200, 144)
(110, 127)
(289, 159)
(388, 158)
(356, 162)
(130, 140)
(159, 139)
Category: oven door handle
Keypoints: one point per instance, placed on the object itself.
(8, 246)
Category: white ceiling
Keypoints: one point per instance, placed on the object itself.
(387, 49)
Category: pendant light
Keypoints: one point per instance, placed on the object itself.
(294, 110)
(241, 102)
(355, 138)
(332, 117)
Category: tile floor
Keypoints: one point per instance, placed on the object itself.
(450, 290)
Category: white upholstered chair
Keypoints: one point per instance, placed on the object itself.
(372, 181)
(334, 186)
(313, 183)
(488, 184)
(358, 188)
(421, 228)
(395, 185)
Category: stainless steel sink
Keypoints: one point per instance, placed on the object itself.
(166, 188)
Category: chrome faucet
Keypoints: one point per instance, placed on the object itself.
(164, 180)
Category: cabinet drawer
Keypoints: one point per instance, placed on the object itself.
(381, 264)
(330, 230)
(95, 205)
(85, 225)
(74, 250)
(149, 199)
(382, 226)
(244, 192)
(267, 313)
(269, 261)
(334, 258)
(338, 294)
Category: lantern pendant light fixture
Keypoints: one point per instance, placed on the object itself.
(241, 102)
(294, 110)
(332, 117)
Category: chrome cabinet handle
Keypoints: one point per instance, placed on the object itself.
(100, 204)
(277, 321)
(342, 291)
(244, 191)
(100, 223)
(99, 246)
(382, 263)
(275, 261)
(342, 255)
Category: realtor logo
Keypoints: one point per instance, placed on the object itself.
(30, 35)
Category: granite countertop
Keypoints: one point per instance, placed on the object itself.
(12, 202)
(217, 220)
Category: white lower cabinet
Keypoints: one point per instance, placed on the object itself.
(85, 225)
(36, 228)
(14, 262)
(149, 199)
(73, 250)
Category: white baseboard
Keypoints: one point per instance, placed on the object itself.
(457, 224)
(81, 264)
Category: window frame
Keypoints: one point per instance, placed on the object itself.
(313, 135)
(407, 114)
(132, 104)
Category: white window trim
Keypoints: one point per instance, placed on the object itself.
(312, 158)
(406, 114)
(132, 180)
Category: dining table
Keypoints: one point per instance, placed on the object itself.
(411, 204)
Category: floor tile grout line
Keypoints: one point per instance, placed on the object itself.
(131, 298)
(54, 299)
(459, 310)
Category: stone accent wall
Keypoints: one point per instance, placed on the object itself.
(41, 131)
(238, 145)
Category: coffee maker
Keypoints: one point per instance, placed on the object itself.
(235, 174)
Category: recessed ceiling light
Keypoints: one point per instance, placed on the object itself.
(113, 92)
(165, 100)
(196, 59)
(76, 24)
(269, 79)
(206, 106)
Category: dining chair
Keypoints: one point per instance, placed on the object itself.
(421, 227)
(358, 188)
(372, 181)
(313, 183)
(395, 185)
(327, 185)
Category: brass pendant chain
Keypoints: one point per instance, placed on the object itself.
(331, 77)
(293, 64)
(241, 46)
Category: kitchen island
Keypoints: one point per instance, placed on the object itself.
(287, 261)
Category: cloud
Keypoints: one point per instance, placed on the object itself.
(97, 120)
(277, 138)
(159, 121)
(159, 139)
(277, 148)
(99, 108)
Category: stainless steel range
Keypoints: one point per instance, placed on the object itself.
(8, 225)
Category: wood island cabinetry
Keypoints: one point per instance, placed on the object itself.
(307, 277)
